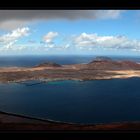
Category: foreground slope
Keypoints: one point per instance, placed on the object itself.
(17, 122)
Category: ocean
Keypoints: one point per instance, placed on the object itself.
(87, 102)
(29, 61)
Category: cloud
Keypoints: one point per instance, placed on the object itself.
(91, 41)
(12, 24)
(15, 34)
(8, 40)
(11, 19)
(48, 38)
(82, 42)
(49, 44)
(48, 41)
(109, 14)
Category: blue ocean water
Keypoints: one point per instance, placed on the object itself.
(28, 61)
(97, 101)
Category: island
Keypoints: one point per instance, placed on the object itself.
(98, 69)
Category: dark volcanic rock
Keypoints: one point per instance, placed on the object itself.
(129, 64)
(101, 58)
(106, 63)
(48, 64)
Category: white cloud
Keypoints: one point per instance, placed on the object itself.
(14, 35)
(66, 46)
(48, 38)
(85, 40)
(49, 44)
(8, 40)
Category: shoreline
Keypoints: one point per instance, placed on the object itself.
(60, 74)
(12, 121)
(125, 74)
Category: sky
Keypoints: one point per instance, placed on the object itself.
(68, 32)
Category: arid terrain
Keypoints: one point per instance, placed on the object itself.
(99, 68)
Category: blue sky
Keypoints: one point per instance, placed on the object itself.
(103, 32)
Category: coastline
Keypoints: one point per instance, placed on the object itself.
(50, 74)
(109, 75)
(9, 121)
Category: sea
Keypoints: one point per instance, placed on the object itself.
(83, 102)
